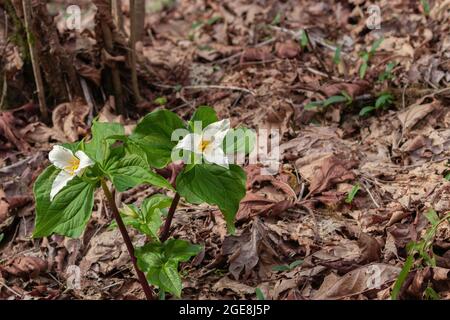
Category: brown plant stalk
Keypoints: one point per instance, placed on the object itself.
(149, 294)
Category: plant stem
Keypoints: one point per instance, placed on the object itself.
(35, 61)
(134, 33)
(123, 230)
(165, 231)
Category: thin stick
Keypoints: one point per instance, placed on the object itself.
(117, 14)
(2, 284)
(5, 83)
(165, 231)
(123, 230)
(134, 33)
(206, 87)
(117, 84)
(35, 61)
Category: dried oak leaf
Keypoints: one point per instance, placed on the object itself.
(25, 266)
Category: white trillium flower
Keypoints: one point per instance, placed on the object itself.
(71, 165)
(208, 143)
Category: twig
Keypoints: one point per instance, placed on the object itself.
(5, 83)
(165, 231)
(117, 84)
(2, 284)
(206, 87)
(123, 230)
(117, 14)
(134, 30)
(370, 195)
(35, 61)
(87, 97)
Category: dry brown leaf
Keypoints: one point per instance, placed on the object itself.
(38, 132)
(226, 283)
(414, 113)
(326, 172)
(256, 54)
(353, 89)
(68, 119)
(107, 250)
(245, 249)
(25, 266)
(287, 50)
(363, 279)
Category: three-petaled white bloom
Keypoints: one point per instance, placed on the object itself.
(71, 165)
(208, 143)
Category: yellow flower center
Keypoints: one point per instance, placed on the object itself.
(204, 144)
(73, 165)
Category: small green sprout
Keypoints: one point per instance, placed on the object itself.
(304, 39)
(337, 55)
(259, 294)
(344, 97)
(160, 101)
(277, 20)
(422, 248)
(383, 101)
(426, 7)
(387, 73)
(352, 193)
(287, 267)
(366, 56)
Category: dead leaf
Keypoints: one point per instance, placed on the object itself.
(25, 266)
(326, 172)
(414, 113)
(38, 132)
(245, 249)
(256, 54)
(239, 288)
(353, 89)
(358, 281)
(287, 50)
(107, 250)
(68, 119)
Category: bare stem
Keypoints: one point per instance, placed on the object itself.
(35, 60)
(165, 231)
(123, 230)
(134, 34)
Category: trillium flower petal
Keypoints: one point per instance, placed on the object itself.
(85, 161)
(216, 128)
(217, 156)
(190, 142)
(60, 157)
(60, 182)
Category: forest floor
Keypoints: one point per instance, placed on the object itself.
(300, 234)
